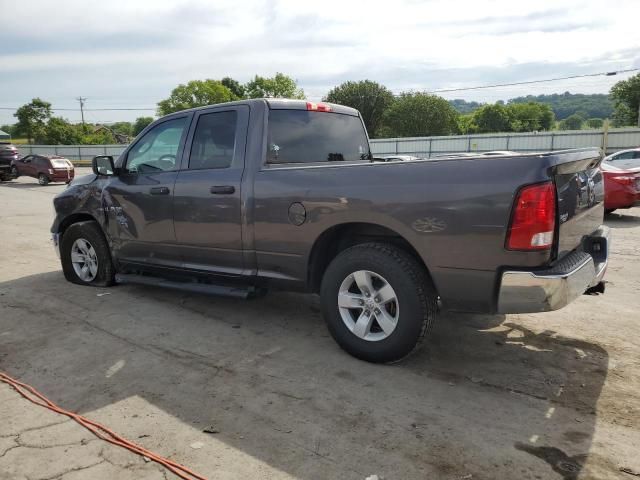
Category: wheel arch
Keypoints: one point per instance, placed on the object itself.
(76, 218)
(342, 236)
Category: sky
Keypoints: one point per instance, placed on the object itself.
(132, 53)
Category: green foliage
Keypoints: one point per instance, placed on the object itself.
(530, 117)
(463, 106)
(492, 118)
(280, 86)
(58, 131)
(10, 129)
(595, 123)
(236, 87)
(125, 128)
(140, 124)
(566, 104)
(419, 115)
(370, 98)
(196, 93)
(572, 122)
(466, 125)
(32, 118)
(626, 96)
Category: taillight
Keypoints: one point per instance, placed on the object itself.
(534, 218)
(623, 179)
(318, 107)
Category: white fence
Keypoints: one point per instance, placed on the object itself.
(72, 152)
(610, 141)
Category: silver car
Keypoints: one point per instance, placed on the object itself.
(624, 159)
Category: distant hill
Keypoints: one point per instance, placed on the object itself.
(597, 105)
(463, 106)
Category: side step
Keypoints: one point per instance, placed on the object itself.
(209, 289)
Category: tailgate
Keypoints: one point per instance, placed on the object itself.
(580, 190)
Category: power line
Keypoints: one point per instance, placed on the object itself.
(529, 82)
(89, 109)
(444, 90)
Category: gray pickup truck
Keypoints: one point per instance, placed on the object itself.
(239, 197)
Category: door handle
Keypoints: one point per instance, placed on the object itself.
(223, 189)
(159, 191)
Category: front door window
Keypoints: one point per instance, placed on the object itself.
(157, 150)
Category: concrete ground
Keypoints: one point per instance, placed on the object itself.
(543, 396)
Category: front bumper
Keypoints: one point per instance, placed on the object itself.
(551, 289)
(55, 240)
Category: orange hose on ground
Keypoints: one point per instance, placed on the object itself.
(99, 430)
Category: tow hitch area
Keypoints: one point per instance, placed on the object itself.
(596, 289)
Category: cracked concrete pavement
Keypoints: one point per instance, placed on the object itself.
(489, 397)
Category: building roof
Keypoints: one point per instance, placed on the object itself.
(4, 134)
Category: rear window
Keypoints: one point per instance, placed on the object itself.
(60, 163)
(301, 136)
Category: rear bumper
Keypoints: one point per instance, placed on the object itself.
(551, 289)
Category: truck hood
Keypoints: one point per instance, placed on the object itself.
(83, 180)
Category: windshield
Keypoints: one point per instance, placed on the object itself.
(301, 136)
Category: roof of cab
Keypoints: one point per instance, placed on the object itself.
(278, 104)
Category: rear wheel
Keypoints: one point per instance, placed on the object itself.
(85, 256)
(43, 179)
(378, 302)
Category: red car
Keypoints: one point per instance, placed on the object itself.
(46, 168)
(621, 187)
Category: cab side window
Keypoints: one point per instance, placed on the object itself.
(214, 141)
(157, 150)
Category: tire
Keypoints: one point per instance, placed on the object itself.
(75, 239)
(14, 172)
(43, 179)
(394, 332)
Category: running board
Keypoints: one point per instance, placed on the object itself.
(206, 288)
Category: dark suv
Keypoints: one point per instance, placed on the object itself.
(8, 154)
(44, 167)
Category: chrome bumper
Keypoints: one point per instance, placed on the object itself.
(55, 240)
(552, 289)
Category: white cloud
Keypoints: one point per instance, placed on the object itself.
(134, 52)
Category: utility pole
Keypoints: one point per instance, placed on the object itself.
(81, 100)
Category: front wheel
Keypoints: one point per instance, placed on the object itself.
(378, 302)
(14, 172)
(85, 255)
(43, 179)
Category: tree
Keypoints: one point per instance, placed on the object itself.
(370, 98)
(595, 123)
(420, 115)
(236, 87)
(140, 124)
(626, 97)
(280, 86)
(466, 124)
(492, 118)
(32, 117)
(530, 117)
(58, 131)
(124, 128)
(196, 93)
(572, 122)
(10, 129)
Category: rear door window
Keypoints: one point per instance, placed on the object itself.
(301, 136)
(214, 141)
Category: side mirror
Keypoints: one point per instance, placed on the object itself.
(103, 165)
